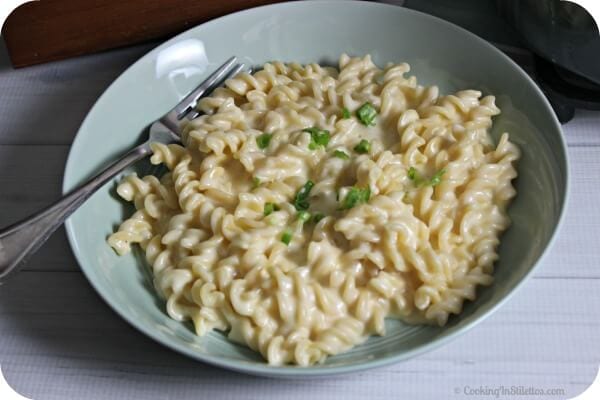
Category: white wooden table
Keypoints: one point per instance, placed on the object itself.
(59, 340)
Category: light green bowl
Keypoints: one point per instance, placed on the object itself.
(439, 53)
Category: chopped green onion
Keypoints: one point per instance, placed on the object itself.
(366, 114)
(414, 176)
(286, 237)
(437, 177)
(303, 216)
(318, 137)
(262, 141)
(363, 147)
(412, 173)
(317, 217)
(269, 208)
(301, 199)
(345, 113)
(255, 182)
(354, 197)
(341, 154)
(435, 180)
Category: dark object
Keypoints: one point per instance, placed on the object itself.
(556, 42)
(558, 31)
(48, 30)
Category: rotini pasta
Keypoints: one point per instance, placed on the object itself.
(307, 204)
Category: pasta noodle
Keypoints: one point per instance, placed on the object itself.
(307, 204)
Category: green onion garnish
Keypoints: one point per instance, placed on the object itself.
(286, 236)
(269, 208)
(366, 114)
(363, 147)
(303, 216)
(341, 154)
(412, 173)
(345, 113)
(301, 199)
(255, 182)
(354, 197)
(435, 180)
(318, 137)
(317, 217)
(262, 141)
(437, 177)
(414, 176)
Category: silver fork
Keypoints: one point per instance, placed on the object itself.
(22, 239)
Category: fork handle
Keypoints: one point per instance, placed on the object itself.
(19, 241)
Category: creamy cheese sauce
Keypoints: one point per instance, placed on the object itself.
(409, 222)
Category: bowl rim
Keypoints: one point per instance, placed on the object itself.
(291, 371)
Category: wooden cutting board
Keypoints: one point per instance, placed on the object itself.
(48, 30)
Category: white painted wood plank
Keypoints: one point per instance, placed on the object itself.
(32, 180)
(584, 129)
(45, 104)
(35, 176)
(58, 340)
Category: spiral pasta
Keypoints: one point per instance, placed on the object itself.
(307, 204)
